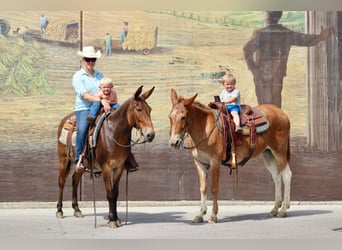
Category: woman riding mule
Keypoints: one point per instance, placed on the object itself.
(196, 123)
(111, 151)
(85, 83)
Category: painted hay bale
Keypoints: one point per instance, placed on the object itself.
(141, 37)
(61, 30)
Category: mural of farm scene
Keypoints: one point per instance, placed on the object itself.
(187, 51)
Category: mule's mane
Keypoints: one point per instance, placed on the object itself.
(126, 103)
(125, 106)
(200, 106)
(117, 114)
(195, 104)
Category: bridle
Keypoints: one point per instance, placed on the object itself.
(186, 134)
(137, 127)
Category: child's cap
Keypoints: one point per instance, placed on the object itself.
(106, 81)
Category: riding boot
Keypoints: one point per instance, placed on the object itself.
(131, 164)
(225, 162)
(91, 121)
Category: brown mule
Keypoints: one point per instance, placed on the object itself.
(111, 152)
(195, 122)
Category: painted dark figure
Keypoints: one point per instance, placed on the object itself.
(267, 52)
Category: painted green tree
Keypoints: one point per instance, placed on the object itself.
(22, 68)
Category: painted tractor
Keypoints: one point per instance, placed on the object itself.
(4, 27)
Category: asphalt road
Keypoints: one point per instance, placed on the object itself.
(171, 220)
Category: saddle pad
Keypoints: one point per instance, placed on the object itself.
(63, 137)
(261, 128)
(94, 135)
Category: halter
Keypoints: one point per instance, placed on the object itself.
(134, 142)
(186, 134)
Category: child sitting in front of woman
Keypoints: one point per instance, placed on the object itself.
(109, 100)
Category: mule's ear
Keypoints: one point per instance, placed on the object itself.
(174, 97)
(147, 94)
(190, 100)
(138, 92)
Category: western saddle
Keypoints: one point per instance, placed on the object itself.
(252, 121)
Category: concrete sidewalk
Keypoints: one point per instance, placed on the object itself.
(172, 220)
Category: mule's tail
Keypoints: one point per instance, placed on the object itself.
(288, 153)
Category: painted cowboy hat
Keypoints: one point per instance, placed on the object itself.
(89, 52)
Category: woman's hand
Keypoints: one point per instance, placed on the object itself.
(106, 105)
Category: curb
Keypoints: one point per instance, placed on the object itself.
(85, 204)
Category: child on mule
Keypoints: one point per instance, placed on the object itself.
(109, 100)
(230, 96)
(106, 93)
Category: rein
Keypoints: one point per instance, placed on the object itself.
(131, 144)
(202, 140)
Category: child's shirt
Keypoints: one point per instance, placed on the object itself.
(225, 96)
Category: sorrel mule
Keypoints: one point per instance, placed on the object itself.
(111, 151)
(195, 121)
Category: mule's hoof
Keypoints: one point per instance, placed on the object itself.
(59, 215)
(78, 214)
(212, 219)
(118, 223)
(197, 219)
(114, 224)
(282, 214)
(273, 213)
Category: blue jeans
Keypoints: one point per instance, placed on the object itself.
(108, 49)
(96, 106)
(82, 131)
(122, 37)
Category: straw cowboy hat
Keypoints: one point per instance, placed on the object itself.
(89, 52)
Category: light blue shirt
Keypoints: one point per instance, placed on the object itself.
(43, 21)
(225, 95)
(83, 82)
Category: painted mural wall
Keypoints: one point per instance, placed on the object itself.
(187, 51)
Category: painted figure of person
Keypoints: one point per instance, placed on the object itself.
(108, 42)
(43, 23)
(267, 52)
(124, 32)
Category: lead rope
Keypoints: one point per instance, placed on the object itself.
(234, 161)
(94, 203)
(126, 196)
